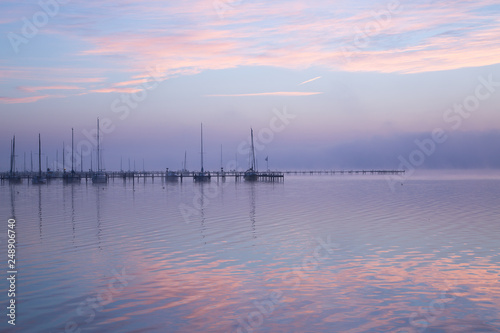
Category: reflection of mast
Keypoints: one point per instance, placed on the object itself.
(252, 208)
(98, 208)
(12, 202)
(202, 210)
(73, 211)
(40, 211)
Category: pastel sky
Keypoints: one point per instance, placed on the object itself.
(360, 81)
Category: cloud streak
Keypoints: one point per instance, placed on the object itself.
(276, 93)
(189, 37)
(311, 80)
(36, 89)
(17, 100)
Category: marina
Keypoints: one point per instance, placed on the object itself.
(101, 176)
(238, 175)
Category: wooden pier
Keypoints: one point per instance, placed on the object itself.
(237, 175)
(112, 175)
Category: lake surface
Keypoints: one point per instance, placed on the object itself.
(310, 254)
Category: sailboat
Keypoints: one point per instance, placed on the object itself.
(251, 174)
(38, 179)
(13, 177)
(72, 177)
(171, 175)
(100, 176)
(202, 175)
(185, 171)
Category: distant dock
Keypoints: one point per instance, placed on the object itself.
(267, 176)
(112, 175)
(342, 172)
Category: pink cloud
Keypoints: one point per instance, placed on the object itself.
(15, 100)
(35, 89)
(418, 38)
(117, 90)
(277, 93)
(130, 83)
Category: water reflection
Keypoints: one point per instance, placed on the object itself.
(252, 208)
(201, 189)
(40, 211)
(393, 271)
(12, 199)
(98, 211)
(73, 211)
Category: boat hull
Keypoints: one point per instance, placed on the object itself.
(38, 180)
(172, 176)
(72, 178)
(99, 178)
(15, 179)
(201, 177)
(250, 175)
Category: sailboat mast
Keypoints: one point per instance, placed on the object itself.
(72, 157)
(98, 148)
(185, 160)
(202, 147)
(64, 159)
(39, 156)
(12, 154)
(253, 150)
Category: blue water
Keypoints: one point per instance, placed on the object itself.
(310, 254)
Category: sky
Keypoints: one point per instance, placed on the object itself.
(324, 84)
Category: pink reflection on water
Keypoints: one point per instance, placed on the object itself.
(412, 291)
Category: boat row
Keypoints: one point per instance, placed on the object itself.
(100, 177)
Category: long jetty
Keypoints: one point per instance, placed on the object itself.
(237, 175)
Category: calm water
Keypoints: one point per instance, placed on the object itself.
(311, 254)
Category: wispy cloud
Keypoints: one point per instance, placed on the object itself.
(16, 100)
(277, 93)
(296, 34)
(117, 90)
(35, 89)
(246, 38)
(130, 83)
(311, 80)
